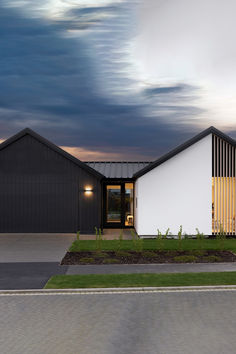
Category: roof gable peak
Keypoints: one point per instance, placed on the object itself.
(52, 146)
(182, 147)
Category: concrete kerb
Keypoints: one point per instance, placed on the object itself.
(130, 290)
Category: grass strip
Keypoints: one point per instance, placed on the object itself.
(151, 244)
(140, 280)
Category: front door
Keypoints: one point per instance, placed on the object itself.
(118, 205)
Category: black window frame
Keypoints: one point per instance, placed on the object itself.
(121, 182)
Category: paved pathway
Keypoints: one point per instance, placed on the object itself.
(151, 268)
(161, 323)
(110, 234)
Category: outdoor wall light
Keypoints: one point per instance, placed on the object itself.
(88, 190)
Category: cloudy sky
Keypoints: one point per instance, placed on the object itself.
(110, 80)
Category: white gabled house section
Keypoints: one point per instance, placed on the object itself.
(177, 192)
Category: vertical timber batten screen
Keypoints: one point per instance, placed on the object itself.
(223, 186)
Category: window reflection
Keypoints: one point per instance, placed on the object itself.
(129, 204)
(113, 204)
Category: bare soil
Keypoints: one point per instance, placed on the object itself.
(147, 257)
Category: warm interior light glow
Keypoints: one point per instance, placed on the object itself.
(129, 204)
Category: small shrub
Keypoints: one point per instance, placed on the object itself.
(200, 237)
(133, 234)
(120, 241)
(78, 239)
(180, 232)
(100, 238)
(87, 260)
(159, 240)
(221, 237)
(98, 233)
(139, 244)
(166, 233)
(186, 236)
(212, 259)
(170, 253)
(110, 261)
(185, 259)
(149, 254)
(100, 254)
(123, 254)
(197, 253)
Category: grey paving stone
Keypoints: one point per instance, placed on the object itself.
(162, 323)
(34, 247)
(151, 268)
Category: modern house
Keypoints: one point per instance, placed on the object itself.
(45, 189)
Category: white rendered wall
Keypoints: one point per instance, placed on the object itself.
(177, 192)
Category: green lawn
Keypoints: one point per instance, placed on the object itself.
(140, 280)
(152, 244)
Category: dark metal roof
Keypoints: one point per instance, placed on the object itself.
(52, 146)
(113, 169)
(210, 130)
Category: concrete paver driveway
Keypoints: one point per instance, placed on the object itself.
(199, 322)
(34, 247)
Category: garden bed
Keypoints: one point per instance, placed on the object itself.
(147, 257)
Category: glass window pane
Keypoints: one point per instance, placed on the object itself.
(113, 204)
(129, 204)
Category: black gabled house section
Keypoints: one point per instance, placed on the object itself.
(51, 146)
(42, 188)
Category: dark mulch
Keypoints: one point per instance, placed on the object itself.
(134, 257)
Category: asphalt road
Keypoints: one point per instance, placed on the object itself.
(202, 322)
(28, 275)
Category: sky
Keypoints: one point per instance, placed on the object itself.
(117, 80)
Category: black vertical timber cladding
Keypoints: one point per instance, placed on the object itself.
(221, 150)
(42, 191)
(212, 155)
(227, 159)
(234, 165)
(218, 157)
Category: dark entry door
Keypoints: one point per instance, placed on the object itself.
(118, 205)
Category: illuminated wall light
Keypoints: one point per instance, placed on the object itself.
(88, 190)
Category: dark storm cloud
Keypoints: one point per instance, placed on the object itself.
(164, 90)
(92, 10)
(49, 82)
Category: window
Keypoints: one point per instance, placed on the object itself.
(129, 204)
(113, 204)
